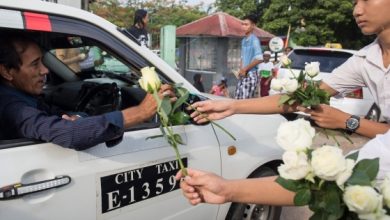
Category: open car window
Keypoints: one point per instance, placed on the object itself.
(88, 59)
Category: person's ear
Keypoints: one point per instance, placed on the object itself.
(7, 74)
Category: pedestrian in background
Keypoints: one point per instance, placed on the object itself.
(265, 72)
(198, 82)
(138, 30)
(251, 56)
(221, 89)
(287, 50)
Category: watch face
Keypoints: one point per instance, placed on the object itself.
(352, 123)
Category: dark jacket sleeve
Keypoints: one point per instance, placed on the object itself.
(79, 134)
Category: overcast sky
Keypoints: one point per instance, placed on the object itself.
(206, 2)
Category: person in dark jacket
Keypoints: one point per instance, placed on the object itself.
(24, 115)
(138, 29)
(198, 82)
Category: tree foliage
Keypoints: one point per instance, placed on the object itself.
(313, 22)
(161, 13)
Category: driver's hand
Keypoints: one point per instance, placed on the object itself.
(167, 90)
(70, 117)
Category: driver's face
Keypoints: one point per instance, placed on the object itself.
(31, 77)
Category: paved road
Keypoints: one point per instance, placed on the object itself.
(303, 213)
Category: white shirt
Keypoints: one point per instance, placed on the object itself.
(365, 68)
(379, 147)
(265, 66)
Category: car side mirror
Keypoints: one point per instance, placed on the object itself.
(374, 113)
(191, 100)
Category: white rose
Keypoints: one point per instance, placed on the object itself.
(295, 165)
(285, 60)
(385, 190)
(290, 85)
(344, 176)
(312, 69)
(363, 200)
(295, 135)
(276, 84)
(328, 162)
(149, 80)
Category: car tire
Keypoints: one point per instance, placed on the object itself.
(244, 211)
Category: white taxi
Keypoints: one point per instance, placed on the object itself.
(132, 179)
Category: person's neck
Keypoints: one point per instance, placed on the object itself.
(384, 42)
(248, 33)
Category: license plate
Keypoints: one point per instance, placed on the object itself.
(132, 186)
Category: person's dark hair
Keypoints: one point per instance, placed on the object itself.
(251, 17)
(197, 77)
(11, 47)
(139, 15)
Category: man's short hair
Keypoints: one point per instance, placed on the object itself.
(251, 17)
(11, 47)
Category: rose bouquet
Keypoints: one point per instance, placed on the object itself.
(301, 88)
(170, 114)
(333, 186)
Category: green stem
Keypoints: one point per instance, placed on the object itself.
(293, 74)
(212, 122)
(173, 143)
(223, 129)
(302, 94)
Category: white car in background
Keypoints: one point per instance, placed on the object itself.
(356, 103)
(132, 179)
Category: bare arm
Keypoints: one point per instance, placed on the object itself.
(202, 186)
(244, 70)
(147, 108)
(329, 117)
(62, 54)
(138, 114)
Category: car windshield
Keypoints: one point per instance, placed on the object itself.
(328, 59)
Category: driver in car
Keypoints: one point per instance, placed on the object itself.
(24, 115)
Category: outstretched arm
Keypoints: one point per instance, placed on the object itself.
(200, 186)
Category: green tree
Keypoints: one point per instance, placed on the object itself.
(313, 22)
(240, 8)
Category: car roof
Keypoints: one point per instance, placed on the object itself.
(326, 49)
(48, 8)
(56, 9)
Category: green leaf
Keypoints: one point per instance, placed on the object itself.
(165, 108)
(368, 166)
(179, 118)
(359, 178)
(321, 215)
(302, 197)
(291, 101)
(301, 77)
(180, 91)
(284, 99)
(332, 199)
(353, 156)
(181, 100)
(178, 139)
(292, 185)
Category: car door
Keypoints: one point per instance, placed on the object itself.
(131, 180)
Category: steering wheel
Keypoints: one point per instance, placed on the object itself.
(99, 99)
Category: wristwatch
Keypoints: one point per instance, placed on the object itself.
(352, 124)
